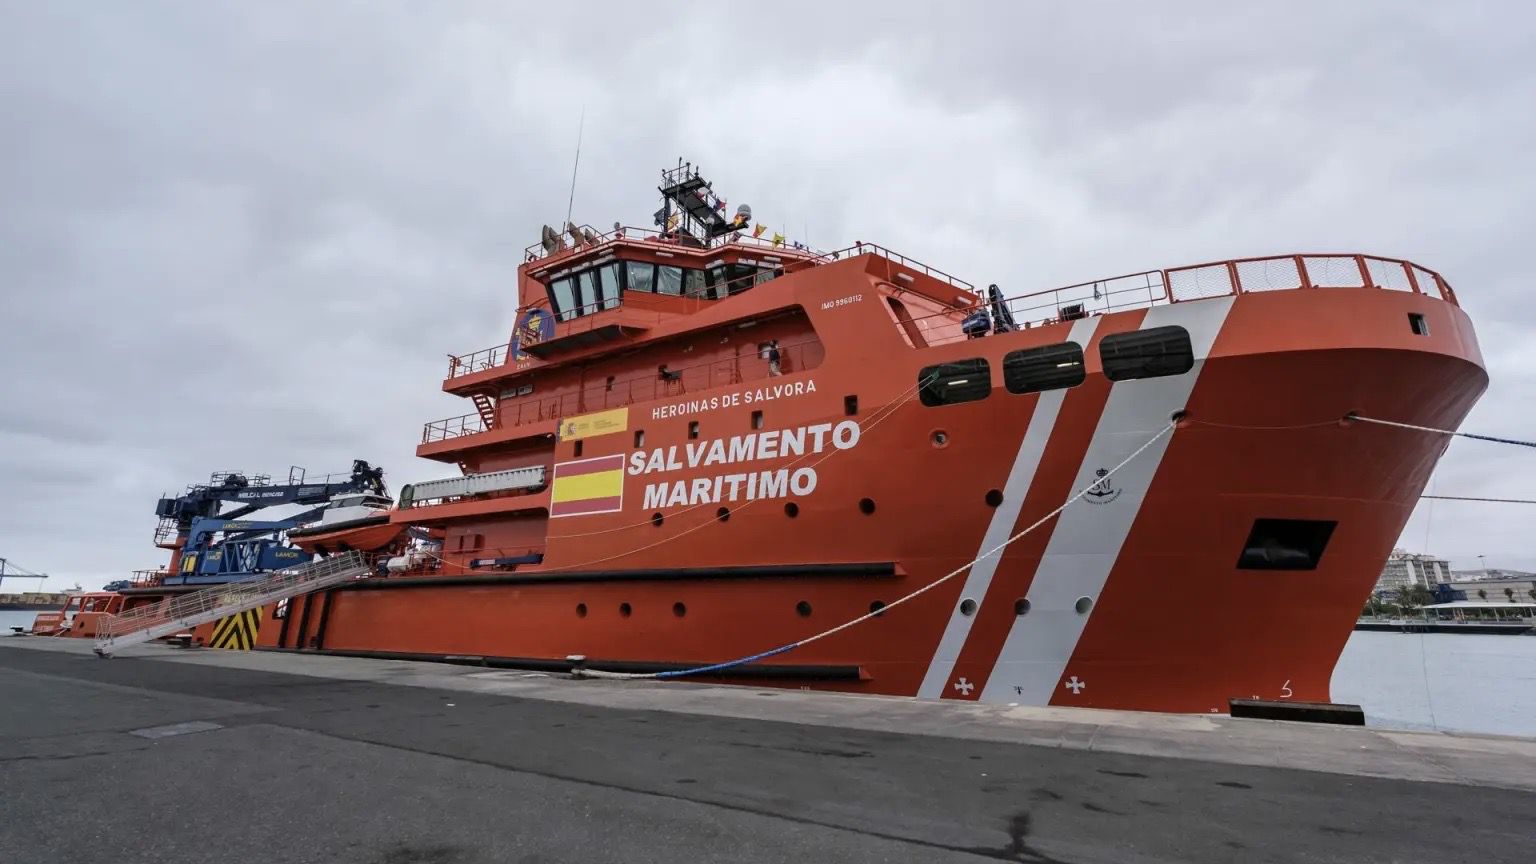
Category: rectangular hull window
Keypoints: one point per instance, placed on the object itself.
(1049, 367)
(1152, 353)
(960, 381)
(1285, 544)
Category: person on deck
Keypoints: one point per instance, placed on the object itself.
(773, 358)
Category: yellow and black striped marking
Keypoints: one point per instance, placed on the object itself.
(238, 631)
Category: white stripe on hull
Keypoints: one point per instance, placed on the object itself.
(1088, 536)
(1041, 424)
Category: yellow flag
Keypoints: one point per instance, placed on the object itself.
(758, 231)
(672, 221)
(778, 239)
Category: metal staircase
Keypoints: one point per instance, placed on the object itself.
(178, 613)
(485, 406)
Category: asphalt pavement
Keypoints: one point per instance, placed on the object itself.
(146, 759)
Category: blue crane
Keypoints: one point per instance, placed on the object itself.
(214, 546)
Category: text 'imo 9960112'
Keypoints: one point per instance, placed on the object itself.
(699, 444)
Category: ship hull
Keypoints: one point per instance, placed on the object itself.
(1136, 596)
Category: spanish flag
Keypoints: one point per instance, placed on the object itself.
(586, 486)
(758, 231)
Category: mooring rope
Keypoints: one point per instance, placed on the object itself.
(800, 643)
(1416, 428)
(1490, 500)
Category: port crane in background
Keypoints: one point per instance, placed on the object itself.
(11, 570)
(211, 545)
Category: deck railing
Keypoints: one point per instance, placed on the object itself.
(603, 394)
(1215, 279)
(1114, 294)
(790, 260)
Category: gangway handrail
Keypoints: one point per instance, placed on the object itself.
(155, 620)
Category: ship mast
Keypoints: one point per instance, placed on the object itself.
(691, 211)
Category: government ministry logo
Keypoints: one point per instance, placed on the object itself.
(1102, 492)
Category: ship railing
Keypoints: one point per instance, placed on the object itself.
(668, 239)
(1204, 281)
(862, 248)
(601, 395)
(165, 531)
(143, 623)
(148, 578)
(580, 319)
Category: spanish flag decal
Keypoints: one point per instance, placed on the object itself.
(586, 486)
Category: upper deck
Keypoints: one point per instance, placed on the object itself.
(630, 281)
(1145, 289)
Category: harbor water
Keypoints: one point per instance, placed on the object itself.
(1451, 682)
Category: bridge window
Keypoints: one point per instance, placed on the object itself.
(694, 283)
(642, 276)
(562, 293)
(951, 383)
(669, 280)
(1153, 353)
(609, 282)
(587, 284)
(1049, 367)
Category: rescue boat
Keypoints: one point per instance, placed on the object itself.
(700, 444)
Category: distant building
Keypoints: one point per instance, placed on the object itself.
(1406, 568)
(1490, 574)
(1496, 590)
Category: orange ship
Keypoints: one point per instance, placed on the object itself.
(699, 445)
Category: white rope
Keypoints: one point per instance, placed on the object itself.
(1353, 416)
(715, 667)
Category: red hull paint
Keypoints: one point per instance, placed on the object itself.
(1170, 623)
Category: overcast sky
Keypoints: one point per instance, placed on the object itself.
(246, 236)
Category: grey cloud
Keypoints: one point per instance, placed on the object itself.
(243, 236)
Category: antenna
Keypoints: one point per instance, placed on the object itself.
(580, 127)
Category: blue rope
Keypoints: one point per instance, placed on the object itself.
(700, 670)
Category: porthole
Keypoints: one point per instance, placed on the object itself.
(1083, 604)
(656, 519)
(723, 514)
(581, 610)
(940, 438)
(791, 509)
(967, 607)
(625, 610)
(866, 506)
(1021, 606)
(994, 497)
(877, 608)
(679, 609)
(803, 609)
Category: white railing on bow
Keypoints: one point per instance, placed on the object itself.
(181, 612)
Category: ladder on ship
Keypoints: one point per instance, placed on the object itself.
(177, 613)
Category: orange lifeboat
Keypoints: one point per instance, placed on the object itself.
(357, 521)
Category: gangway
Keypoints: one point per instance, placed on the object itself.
(180, 612)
